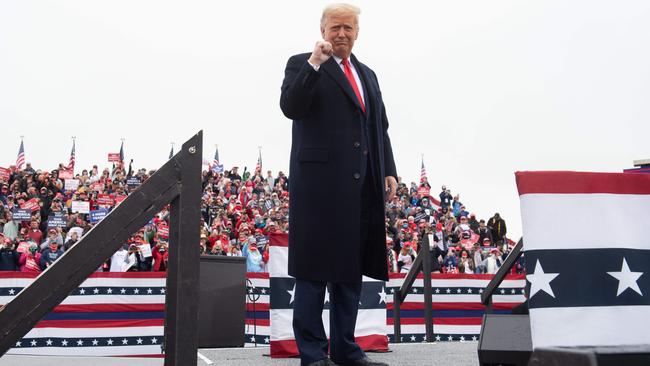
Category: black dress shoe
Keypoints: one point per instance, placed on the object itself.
(365, 362)
(323, 362)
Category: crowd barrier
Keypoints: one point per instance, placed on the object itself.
(122, 314)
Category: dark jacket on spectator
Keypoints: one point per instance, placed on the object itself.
(8, 260)
(48, 257)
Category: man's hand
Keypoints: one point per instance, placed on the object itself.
(391, 186)
(322, 52)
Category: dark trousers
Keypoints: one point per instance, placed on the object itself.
(343, 302)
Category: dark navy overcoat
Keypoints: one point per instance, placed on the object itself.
(335, 145)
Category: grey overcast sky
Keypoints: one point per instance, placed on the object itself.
(481, 88)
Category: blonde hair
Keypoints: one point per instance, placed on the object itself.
(339, 9)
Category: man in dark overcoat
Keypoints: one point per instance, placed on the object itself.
(342, 170)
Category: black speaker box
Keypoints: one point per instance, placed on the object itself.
(505, 340)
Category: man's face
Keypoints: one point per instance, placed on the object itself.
(341, 30)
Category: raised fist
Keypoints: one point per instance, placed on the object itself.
(322, 52)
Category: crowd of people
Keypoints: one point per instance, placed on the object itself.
(42, 215)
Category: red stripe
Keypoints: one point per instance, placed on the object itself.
(579, 182)
(258, 306)
(143, 356)
(128, 275)
(108, 308)
(370, 343)
(279, 239)
(459, 276)
(438, 321)
(453, 306)
(100, 323)
(260, 275)
(259, 322)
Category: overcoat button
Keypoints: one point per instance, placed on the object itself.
(356, 145)
(357, 175)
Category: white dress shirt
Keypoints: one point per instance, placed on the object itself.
(354, 73)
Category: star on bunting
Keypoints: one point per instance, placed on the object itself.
(627, 279)
(540, 281)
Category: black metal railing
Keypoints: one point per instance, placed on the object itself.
(422, 264)
(177, 182)
(486, 296)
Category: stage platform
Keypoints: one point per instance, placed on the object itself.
(408, 354)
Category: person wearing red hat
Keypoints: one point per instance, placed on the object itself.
(50, 255)
(406, 257)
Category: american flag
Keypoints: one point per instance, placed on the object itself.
(20, 160)
(122, 153)
(216, 167)
(72, 158)
(258, 167)
(423, 172)
(109, 314)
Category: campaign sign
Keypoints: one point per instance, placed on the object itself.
(32, 204)
(56, 219)
(71, 184)
(133, 182)
(114, 157)
(22, 214)
(66, 174)
(145, 249)
(104, 200)
(163, 230)
(98, 215)
(119, 198)
(424, 191)
(5, 174)
(97, 186)
(80, 206)
(23, 247)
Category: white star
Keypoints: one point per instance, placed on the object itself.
(139, 340)
(109, 342)
(48, 342)
(327, 296)
(503, 291)
(263, 291)
(153, 340)
(382, 295)
(437, 290)
(109, 291)
(33, 343)
(64, 343)
(474, 338)
(540, 281)
(469, 290)
(96, 291)
(82, 291)
(149, 291)
(448, 291)
(415, 291)
(162, 290)
(80, 342)
(458, 291)
(19, 344)
(252, 339)
(266, 340)
(125, 341)
(462, 338)
(627, 279)
(438, 338)
(513, 291)
(12, 291)
(413, 338)
(122, 291)
(392, 290)
(95, 342)
(480, 291)
(292, 293)
(136, 291)
(450, 338)
(250, 290)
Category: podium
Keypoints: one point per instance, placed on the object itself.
(222, 301)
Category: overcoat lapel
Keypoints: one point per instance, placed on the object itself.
(334, 70)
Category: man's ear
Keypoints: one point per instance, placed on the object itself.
(322, 32)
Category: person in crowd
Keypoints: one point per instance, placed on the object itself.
(466, 263)
(445, 198)
(11, 227)
(71, 241)
(8, 255)
(498, 227)
(450, 264)
(254, 261)
(53, 236)
(30, 260)
(406, 257)
(160, 256)
(492, 262)
(35, 234)
(50, 255)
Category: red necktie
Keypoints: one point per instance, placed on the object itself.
(350, 76)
